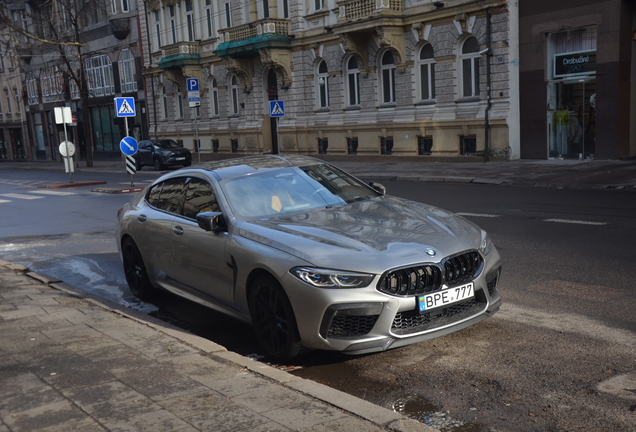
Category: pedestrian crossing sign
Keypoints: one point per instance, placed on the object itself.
(125, 106)
(276, 108)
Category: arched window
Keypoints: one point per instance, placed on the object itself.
(470, 67)
(127, 71)
(387, 69)
(214, 99)
(179, 103)
(234, 94)
(164, 102)
(323, 85)
(427, 73)
(353, 82)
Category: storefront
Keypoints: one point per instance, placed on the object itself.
(577, 75)
(571, 94)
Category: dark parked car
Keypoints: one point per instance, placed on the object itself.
(162, 154)
(309, 255)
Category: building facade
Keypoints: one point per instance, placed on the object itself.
(358, 77)
(110, 57)
(577, 75)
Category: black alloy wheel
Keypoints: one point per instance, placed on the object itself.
(273, 319)
(158, 164)
(135, 271)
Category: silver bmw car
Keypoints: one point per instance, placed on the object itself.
(309, 255)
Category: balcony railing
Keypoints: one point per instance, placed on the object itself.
(181, 49)
(355, 10)
(256, 28)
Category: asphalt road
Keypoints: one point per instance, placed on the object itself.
(567, 323)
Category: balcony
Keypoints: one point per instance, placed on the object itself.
(356, 10)
(180, 54)
(246, 40)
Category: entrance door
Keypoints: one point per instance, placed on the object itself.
(571, 118)
(272, 94)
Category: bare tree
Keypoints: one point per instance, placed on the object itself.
(51, 30)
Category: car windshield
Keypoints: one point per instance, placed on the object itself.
(166, 144)
(292, 190)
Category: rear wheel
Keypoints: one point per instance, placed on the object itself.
(135, 271)
(273, 319)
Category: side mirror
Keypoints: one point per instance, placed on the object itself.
(211, 221)
(378, 188)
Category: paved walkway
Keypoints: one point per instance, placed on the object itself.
(72, 362)
(584, 174)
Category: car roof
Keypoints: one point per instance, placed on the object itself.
(229, 168)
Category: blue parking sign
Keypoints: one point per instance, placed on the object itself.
(192, 84)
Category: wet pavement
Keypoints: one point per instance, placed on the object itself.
(71, 361)
(579, 174)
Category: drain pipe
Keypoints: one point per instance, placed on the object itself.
(152, 77)
(488, 102)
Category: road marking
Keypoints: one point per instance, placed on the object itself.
(20, 196)
(478, 215)
(51, 192)
(572, 221)
(4, 201)
(566, 322)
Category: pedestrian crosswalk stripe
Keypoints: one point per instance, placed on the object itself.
(4, 201)
(20, 196)
(51, 192)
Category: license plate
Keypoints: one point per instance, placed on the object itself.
(445, 297)
(179, 158)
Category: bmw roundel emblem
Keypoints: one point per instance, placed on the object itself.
(430, 252)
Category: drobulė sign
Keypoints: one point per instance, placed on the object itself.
(574, 64)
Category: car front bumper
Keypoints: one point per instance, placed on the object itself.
(363, 320)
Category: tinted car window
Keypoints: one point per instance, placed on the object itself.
(199, 197)
(166, 144)
(168, 195)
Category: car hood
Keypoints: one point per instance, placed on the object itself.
(367, 236)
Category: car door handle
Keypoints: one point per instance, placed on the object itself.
(177, 230)
(142, 218)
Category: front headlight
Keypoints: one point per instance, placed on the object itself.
(486, 244)
(323, 278)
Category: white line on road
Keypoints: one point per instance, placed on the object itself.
(478, 215)
(4, 201)
(572, 221)
(20, 196)
(52, 192)
(565, 322)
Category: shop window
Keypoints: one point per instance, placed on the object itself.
(234, 145)
(215, 145)
(323, 144)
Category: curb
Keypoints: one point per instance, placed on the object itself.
(382, 417)
(68, 185)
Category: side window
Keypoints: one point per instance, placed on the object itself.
(199, 197)
(171, 196)
(153, 195)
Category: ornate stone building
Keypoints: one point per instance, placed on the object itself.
(359, 77)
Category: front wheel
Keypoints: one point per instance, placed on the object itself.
(273, 319)
(135, 271)
(158, 164)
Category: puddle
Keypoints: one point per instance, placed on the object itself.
(343, 376)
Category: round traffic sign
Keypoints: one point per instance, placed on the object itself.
(67, 144)
(128, 146)
(73, 119)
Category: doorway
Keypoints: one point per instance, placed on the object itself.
(571, 118)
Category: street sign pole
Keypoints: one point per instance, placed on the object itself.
(125, 107)
(64, 115)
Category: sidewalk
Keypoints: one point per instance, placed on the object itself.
(72, 362)
(583, 174)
